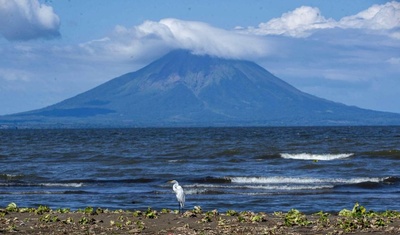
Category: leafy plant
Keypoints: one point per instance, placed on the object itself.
(197, 210)
(88, 210)
(12, 207)
(63, 210)
(69, 220)
(165, 211)
(208, 216)
(140, 225)
(151, 214)
(42, 209)
(116, 223)
(49, 218)
(357, 212)
(278, 214)
(84, 220)
(128, 222)
(213, 212)
(206, 219)
(241, 219)
(345, 212)
(260, 217)
(25, 209)
(221, 221)
(359, 218)
(295, 217)
(232, 213)
(137, 213)
(99, 211)
(245, 216)
(323, 218)
(391, 214)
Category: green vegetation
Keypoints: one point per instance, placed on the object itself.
(49, 218)
(151, 214)
(232, 213)
(165, 211)
(356, 219)
(42, 209)
(84, 220)
(360, 218)
(197, 210)
(292, 218)
(323, 218)
(137, 213)
(12, 207)
(63, 210)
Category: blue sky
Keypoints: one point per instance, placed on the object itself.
(345, 51)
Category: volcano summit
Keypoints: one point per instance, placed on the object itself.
(183, 89)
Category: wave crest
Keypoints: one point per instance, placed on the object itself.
(319, 157)
(300, 180)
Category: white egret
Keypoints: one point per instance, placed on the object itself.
(180, 194)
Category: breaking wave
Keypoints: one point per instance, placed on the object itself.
(212, 189)
(319, 157)
(255, 185)
(301, 180)
(20, 184)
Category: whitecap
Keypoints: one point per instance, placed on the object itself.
(319, 157)
(72, 185)
(203, 188)
(275, 180)
(301, 180)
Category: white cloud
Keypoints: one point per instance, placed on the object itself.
(377, 17)
(297, 23)
(167, 34)
(27, 19)
(305, 20)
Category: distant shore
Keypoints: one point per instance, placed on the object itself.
(43, 220)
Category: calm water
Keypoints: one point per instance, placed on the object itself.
(258, 169)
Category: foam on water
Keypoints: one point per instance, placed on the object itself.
(240, 184)
(206, 188)
(61, 185)
(300, 180)
(319, 157)
(72, 185)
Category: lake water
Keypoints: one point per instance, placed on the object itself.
(260, 169)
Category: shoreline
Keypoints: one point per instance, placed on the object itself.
(43, 220)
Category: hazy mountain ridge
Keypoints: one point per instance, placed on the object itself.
(182, 89)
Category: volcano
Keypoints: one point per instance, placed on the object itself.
(184, 89)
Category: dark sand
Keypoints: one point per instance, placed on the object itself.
(92, 221)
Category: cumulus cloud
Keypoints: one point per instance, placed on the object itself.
(377, 17)
(297, 23)
(305, 20)
(167, 34)
(27, 19)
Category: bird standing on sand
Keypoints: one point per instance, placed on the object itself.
(180, 195)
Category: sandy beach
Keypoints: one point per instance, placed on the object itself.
(43, 220)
